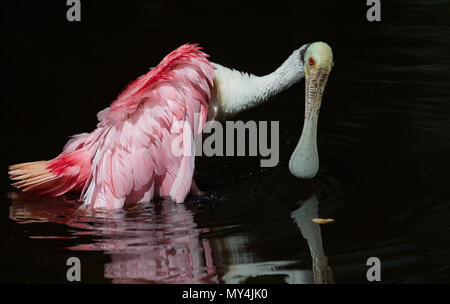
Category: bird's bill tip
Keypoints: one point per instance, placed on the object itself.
(304, 161)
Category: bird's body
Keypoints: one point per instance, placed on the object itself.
(128, 158)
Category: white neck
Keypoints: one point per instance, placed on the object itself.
(237, 91)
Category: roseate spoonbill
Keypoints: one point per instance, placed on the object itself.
(127, 158)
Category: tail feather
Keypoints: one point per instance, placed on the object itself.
(67, 172)
(33, 176)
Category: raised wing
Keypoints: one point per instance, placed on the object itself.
(148, 141)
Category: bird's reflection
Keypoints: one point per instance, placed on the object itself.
(159, 244)
(322, 272)
(242, 267)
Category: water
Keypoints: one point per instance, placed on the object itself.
(384, 132)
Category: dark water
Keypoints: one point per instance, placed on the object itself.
(384, 133)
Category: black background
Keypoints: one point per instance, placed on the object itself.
(384, 125)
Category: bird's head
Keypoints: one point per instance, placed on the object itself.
(317, 59)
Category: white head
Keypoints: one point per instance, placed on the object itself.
(317, 63)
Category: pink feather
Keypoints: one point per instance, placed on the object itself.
(128, 157)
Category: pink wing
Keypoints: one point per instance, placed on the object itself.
(134, 159)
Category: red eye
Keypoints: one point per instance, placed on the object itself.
(311, 61)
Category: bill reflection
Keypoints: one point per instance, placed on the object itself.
(242, 266)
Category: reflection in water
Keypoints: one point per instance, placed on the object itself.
(322, 272)
(243, 268)
(160, 242)
(156, 243)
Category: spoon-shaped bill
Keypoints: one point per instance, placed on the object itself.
(304, 162)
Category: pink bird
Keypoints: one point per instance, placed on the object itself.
(128, 157)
